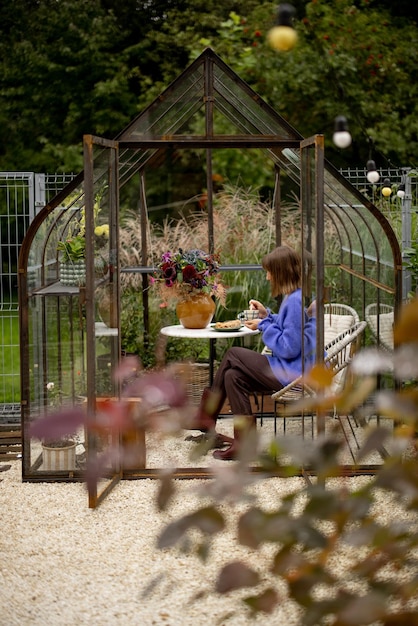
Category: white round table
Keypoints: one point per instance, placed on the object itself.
(207, 333)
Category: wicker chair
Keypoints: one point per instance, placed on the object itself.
(340, 351)
(380, 320)
(337, 319)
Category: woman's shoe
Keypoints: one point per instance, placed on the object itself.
(242, 430)
(229, 454)
(220, 441)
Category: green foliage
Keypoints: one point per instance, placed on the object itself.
(9, 325)
(350, 60)
(59, 80)
(131, 321)
(73, 249)
(91, 66)
(411, 264)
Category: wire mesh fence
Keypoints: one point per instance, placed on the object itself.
(22, 196)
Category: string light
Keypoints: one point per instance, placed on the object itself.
(386, 189)
(401, 191)
(372, 175)
(283, 36)
(341, 136)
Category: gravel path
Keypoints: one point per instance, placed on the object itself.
(63, 563)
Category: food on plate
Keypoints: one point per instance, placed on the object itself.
(230, 325)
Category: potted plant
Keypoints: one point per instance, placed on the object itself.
(73, 256)
(73, 248)
(73, 260)
(101, 257)
(58, 454)
(190, 278)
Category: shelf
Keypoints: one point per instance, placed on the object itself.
(101, 330)
(57, 289)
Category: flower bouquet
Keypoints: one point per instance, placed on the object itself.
(183, 274)
(191, 279)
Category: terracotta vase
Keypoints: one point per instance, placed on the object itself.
(196, 311)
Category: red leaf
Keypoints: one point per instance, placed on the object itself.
(58, 424)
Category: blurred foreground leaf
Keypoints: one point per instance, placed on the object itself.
(208, 520)
(265, 602)
(235, 576)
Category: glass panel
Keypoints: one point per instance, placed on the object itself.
(57, 376)
(247, 107)
(177, 105)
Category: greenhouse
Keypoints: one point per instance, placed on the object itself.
(70, 302)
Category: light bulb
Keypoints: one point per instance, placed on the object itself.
(372, 175)
(386, 189)
(342, 139)
(282, 38)
(401, 191)
(341, 136)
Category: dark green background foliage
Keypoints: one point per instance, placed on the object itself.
(89, 66)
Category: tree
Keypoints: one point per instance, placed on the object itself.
(87, 66)
(350, 59)
(90, 66)
(57, 82)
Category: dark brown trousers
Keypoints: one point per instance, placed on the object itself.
(242, 372)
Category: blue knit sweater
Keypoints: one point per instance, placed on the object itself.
(282, 333)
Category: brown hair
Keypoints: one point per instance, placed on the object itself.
(285, 267)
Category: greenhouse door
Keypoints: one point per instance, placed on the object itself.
(312, 231)
(101, 190)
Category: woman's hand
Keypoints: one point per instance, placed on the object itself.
(252, 324)
(256, 305)
(311, 310)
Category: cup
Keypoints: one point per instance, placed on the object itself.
(248, 314)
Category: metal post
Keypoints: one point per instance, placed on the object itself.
(40, 195)
(406, 204)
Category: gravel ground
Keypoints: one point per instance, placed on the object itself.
(63, 563)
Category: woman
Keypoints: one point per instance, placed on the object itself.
(244, 371)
